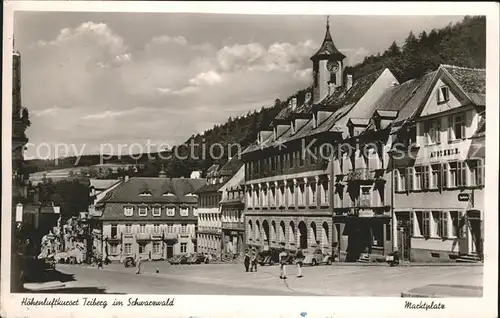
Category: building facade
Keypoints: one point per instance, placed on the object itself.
(209, 228)
(439, 183)
(289, 170)
(154, 218)
(233, 220)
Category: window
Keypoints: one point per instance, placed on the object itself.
(170, 211)
(300, 155)
(183, 247)
(170, 228)
(418, 178)
(127, 249)
(145, 194)
(477, 172)
(455, 223)
(435, 182)
(433, 131)
(397, 186)
(113, 249)
(440, 224)
(443, 94)
(291, 155)
(156, 211)
(128, 228)
(128, 211)
(142, 228)
(422, 223)
(184, 211)
(312, 187)
(183, 228)
(424, 181)
(156, 248)
(403, 179)
(114, 231)
(365, 199)
(457, 174)
(143, 211)
(156, 228)
(410, 174)
(456, 129)
(142, 248)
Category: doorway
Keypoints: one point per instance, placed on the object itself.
(303, 235)
(170, 251)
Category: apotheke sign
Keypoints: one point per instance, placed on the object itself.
(445, 152)
(463, 197)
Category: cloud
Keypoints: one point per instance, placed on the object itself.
(208, 78)
(152, 89)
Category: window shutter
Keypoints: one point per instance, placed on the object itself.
(412, 220)
(438, 130)
(462, 128)
(450, 126)
(438, 95)
(426, 223)
(444, 177)
(444, 224)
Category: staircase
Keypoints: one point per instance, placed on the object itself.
(469, 258)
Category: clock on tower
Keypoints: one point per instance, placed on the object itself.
(332, 66)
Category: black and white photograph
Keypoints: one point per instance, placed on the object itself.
(158, 155)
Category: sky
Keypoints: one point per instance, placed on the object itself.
(95, 81)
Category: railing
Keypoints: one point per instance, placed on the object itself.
(170, 235)
(361, 174)
(143, 236)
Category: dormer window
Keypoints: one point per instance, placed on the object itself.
(168, 194)
(170, 211)
(443, 94)
(128, 210)
(156, 211)
(292, 127)
(145, 193)
(143, 211)
(184, 211)
(315, 121)
(191, 195)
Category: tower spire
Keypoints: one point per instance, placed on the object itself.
(328, 23)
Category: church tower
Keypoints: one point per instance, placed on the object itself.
(327, 68)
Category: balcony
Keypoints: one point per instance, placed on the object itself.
(239, 226)
(156, 236)
(143, 237)
(360, 175)
(115, 238)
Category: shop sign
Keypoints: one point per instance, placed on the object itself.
(463, 197)
(445, 152)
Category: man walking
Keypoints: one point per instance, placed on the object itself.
(300, 261)
(283, 257)
(254, 260)
(247, 260)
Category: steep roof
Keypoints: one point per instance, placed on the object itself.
(231, 167)
(340, 102)
(328, 49)
(180, 188)
(471, 80)
(415, 100)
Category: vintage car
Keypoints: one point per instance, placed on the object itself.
(184, 259)
(129, 261)
(197, 258)
(318, 257)
(175, 260)
(269, 257)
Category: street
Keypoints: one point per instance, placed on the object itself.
(230, 279)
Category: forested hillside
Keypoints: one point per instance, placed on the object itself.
(462, 44)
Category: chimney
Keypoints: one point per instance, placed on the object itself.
(349, 82)
(294, 103)
(394, 84)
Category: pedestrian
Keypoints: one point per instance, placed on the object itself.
(300, 262)
(99, 263)
(254, 260)
(247, 260)
(138, 264)
(283, 257)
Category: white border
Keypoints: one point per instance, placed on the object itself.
(246, 306)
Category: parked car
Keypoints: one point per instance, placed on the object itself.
(198, 258)
(184, 259)
(318, 257)
(175, 260)
(269, 257)
(129, 261)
